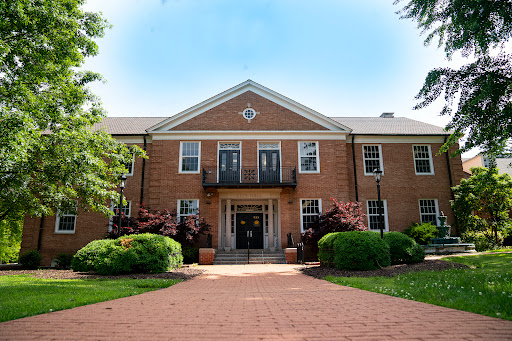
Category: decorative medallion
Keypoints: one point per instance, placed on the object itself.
(256, 222)
(249, 113)
(242, 222)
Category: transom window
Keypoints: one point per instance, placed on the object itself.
(423, 159)
(310, 210)
(187, 207)
(190, 153)
(229, 145)
(373, 214)
(66, 222)
(372, 158)
(308, 157)
(429, 211)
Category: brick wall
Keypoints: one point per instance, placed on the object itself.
(271, 116)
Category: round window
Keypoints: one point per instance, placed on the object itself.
(249, 113)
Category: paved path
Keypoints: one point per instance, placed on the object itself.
(258, 302)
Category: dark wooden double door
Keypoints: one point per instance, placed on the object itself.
(269, 170)
(249, 228)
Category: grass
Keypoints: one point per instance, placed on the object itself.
(485, 288)
(23, 295)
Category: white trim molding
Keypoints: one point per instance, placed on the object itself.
(180, 169)
(428, 158)
(316, 156)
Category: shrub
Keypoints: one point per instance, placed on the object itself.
(64, 260)
(403, 249)
(190, 254)
(340, 217)
(483, 240)
(326, 248)
(146, 253)
(30, 259)
(356, 250)
(421, 233)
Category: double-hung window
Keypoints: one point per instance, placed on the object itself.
(308, 157)
(125, 210)
(310, 210)
(372, 157)
(374, 217)
(187, 207)
(65, 222)
(429, 211)
(190, 157)
(129, 166)
(423, 159)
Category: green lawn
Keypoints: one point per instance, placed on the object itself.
(485, 288)
(23, 295)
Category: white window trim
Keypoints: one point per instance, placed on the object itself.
(112, 205)
(301, 214)
(133, 165)
(385, 207)
(317, 157)
(218, 154)
(280, 157)
(57, 222)
(429, 157)
(437, 208)
(380, 159)
(178, 215)
(198, 159)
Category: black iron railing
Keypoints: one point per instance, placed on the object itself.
(248, 176)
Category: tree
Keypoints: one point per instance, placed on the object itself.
(478, 95)
(340, 217)
(49, 156)
(483, 201)
(185, 231)
(10, 239)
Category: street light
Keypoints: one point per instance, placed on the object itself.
(377, 174)
(122, 185)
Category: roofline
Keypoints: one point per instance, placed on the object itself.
(260, 87)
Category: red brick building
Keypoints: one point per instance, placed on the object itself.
(251, 158)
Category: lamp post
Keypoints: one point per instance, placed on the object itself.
(377, 174)
(122, 185)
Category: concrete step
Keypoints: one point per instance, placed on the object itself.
(255, 257)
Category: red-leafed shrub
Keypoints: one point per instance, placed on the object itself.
(340, 217)
(164, 223)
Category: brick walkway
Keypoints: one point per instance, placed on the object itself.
(258, 302)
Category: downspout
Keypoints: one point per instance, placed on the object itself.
(41, 224)
(143, 173)
(355, 168)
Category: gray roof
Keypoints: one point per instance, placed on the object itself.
(389, 126)
(359, 125)
(128, 125)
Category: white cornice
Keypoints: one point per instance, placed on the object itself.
(132, 139)
(248, 135)
(259, 89)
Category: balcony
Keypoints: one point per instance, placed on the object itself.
(247, 177)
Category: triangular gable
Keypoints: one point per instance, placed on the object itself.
(258, 89)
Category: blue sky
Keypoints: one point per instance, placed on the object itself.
(340, 58)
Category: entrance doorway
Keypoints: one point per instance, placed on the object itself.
(249, 222)
(229, 163)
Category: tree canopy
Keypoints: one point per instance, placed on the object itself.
(483, 201)
(478, 95)
(50, 158)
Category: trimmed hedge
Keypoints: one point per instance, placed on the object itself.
(356, 250)
(30, 259)
(326, 248)
(136, 253)
(422, 233)
(403, 249)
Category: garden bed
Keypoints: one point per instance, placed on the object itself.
(181, 273)
(390, 271)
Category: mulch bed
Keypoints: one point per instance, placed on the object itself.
(182, 273)
(390, 271)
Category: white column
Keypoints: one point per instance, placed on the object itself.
(271, 245)
(228, 225)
